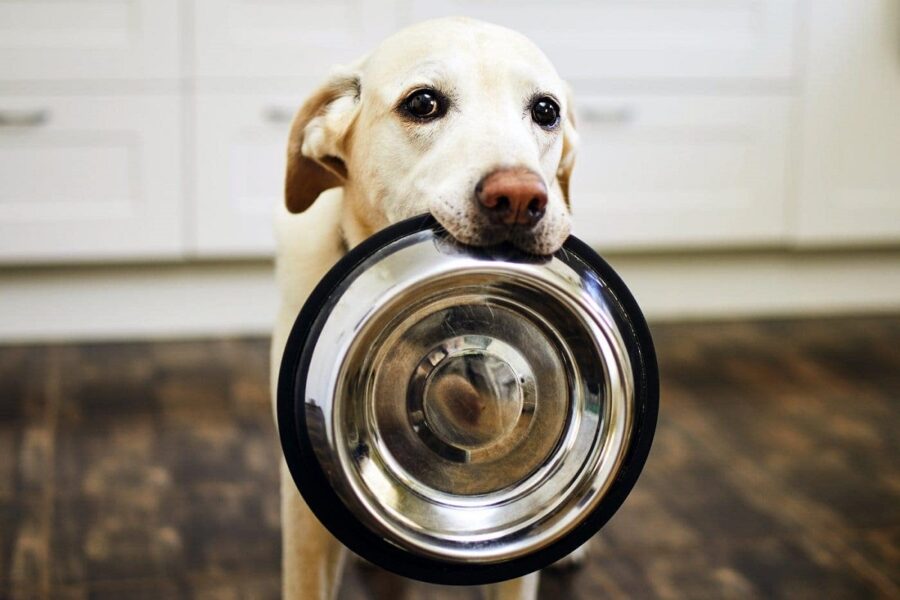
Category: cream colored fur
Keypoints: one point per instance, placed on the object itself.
(355, 166)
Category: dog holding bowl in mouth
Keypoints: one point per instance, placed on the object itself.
(466, 396)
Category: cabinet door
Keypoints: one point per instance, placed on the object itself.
(850, 150)
(89, 177)
(240, 148)
(262, 38)
(638, 39)
(655, 172)
(78, 39)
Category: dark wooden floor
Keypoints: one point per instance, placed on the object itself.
(149, 471)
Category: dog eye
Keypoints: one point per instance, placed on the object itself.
(425, 105)
(545, 112)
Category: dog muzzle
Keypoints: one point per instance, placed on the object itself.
(461, 415)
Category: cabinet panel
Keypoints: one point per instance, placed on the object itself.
(678, 39)
(263, 38)
(654, 172)
(240, 148)
(850, 167)
(90, 177)
(78, 39)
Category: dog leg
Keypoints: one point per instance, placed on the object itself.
(523, 588)
(380, 584)
(308, 244)
(312, 560)
(574, 561)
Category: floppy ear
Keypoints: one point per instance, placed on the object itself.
(318, 141)
(570, 144)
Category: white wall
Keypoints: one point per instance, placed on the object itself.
(213, 299)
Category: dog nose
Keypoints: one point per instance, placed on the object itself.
(515, 196)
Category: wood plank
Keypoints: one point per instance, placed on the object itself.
(150, 470)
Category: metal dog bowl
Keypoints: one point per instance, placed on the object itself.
(461, 415)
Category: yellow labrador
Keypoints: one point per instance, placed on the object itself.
(463, 119)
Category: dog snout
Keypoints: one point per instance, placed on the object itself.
(512, 196)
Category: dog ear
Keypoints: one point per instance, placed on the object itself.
(570, 144)
(318, 141)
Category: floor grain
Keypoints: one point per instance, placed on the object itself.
(149, 471)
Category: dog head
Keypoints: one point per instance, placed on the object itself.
(463, 119)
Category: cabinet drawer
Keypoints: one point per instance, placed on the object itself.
(89, 177)
(263, 38)
(849, 171)
(239, 154)
(677, 39)
(683, 171)
(79, 39)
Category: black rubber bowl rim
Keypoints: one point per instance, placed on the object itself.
(341, 522)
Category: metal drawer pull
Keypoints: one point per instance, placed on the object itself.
(278, 114)
(24, 118)
(613, 115)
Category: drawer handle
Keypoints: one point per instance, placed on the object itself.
(618, 115)
(24, 118)
(278, 114)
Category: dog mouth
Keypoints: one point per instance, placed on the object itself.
(542, 239)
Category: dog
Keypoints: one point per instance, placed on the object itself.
(460, 118)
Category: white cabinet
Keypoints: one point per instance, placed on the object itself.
(78, 39)
(680, 171)
(703, 123)
(639, 39)
(850, 152)
(239, 158)
(265, 38)
(90, 177)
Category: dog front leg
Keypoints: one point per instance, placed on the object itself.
(311, 558)
(523, 588)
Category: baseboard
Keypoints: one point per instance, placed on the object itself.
(214, 299)
(137, 301)
(763, 284)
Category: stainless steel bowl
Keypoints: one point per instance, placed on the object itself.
(462, 415)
